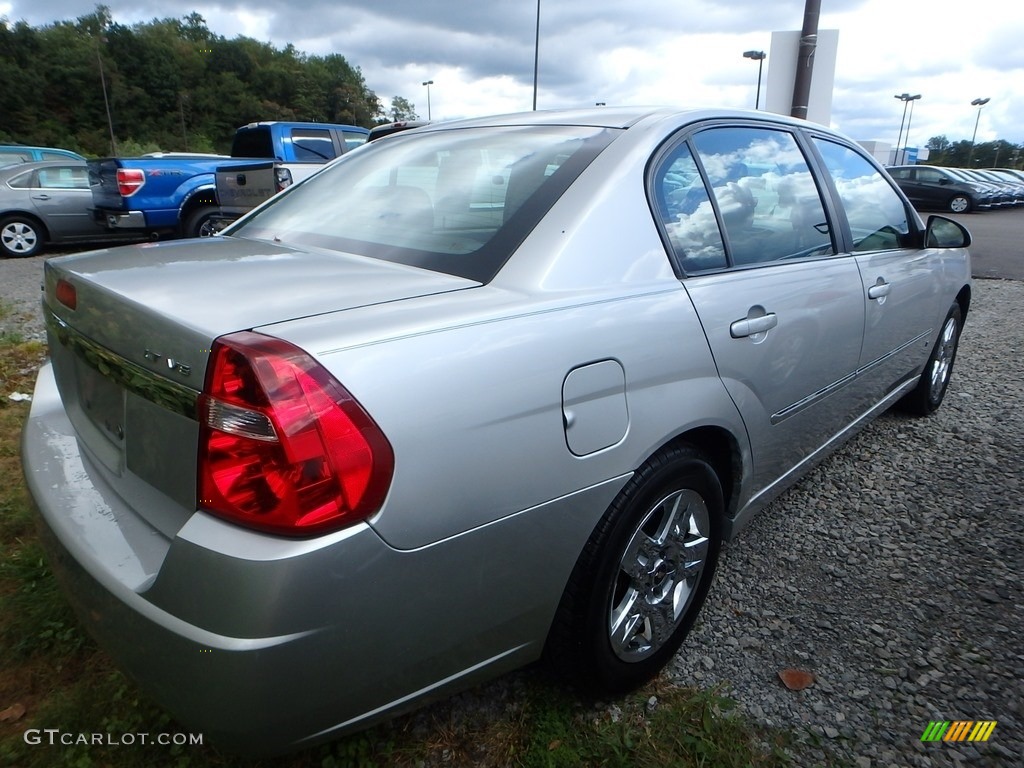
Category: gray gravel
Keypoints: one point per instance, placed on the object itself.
(892, 573)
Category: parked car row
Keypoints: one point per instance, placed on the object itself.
(960, 190)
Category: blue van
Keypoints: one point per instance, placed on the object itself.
(19, 153)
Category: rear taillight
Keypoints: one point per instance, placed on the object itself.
(129, 181)
(283, 446)
(282, 178)
(66, 294)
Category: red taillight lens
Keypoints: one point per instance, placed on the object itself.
(129, 181)
(66, 294)
(283, 446)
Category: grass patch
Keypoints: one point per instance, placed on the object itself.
(55, 677)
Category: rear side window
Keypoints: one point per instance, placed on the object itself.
(766, 197)
(454, 201)
(877, 215)
(64, 178)
(313, 145)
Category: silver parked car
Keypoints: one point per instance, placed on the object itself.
(485, 392)
(46, 202)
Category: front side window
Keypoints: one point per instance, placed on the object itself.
(453, 201)
(877, 215)
(353, 139)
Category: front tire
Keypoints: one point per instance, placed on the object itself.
(960, 204)
(930, 391)
(20, 236)
(642, 577)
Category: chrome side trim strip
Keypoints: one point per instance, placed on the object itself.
(168, 394)
(821, 394)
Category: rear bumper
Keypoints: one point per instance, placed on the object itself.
(114, 219)
(264, 644)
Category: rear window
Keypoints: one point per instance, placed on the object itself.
(452, 201)
(253, 142)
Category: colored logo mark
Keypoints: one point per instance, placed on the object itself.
(959, 730)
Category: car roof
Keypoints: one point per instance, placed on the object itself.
(620, 117)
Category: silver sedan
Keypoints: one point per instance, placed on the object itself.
(485, 392)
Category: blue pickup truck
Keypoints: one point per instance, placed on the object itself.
(175, 193)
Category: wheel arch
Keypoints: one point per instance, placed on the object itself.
(723, 452)
(197, 198)
(964, 300)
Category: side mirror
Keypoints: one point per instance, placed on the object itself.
(946, 233)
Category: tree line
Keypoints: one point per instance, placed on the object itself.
(967, 154)
(101, 88)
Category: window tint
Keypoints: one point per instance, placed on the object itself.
(313, 145)
(900, 173)
(769, 204)
(878, 218)
(686, 213)
(930, 175)
(457, 201)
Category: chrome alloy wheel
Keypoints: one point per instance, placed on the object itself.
(658, 574)
(19, 238)
(944, 354)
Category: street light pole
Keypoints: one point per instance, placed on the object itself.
(979, 103)
(759, 57)
(906, 138)
(536, 57)
(428, 83)
(906, 98)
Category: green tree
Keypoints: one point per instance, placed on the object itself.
(402, 109)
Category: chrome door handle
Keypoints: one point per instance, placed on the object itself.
(879, 290)
(748, 326)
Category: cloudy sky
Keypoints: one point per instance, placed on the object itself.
(480, 53)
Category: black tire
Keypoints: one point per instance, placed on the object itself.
(927, 396)
(200, 223)
(603, 639)
(21, 236)
(960, 204)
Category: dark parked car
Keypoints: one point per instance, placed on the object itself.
(47, 202)
(935, 188)
(478, 394)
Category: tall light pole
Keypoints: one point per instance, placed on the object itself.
(906, 98)
(759, 57)
(428, 83)
(536, 57)
(906, 138)
(979, 103)
(106, 101)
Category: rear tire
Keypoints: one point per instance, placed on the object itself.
(21, 236)
(200, 223)
(642, 577)
(927, 396)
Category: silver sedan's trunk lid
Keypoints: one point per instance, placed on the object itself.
(130, 357)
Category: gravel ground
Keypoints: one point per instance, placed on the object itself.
(892, 573)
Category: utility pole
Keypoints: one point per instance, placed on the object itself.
(805, 59)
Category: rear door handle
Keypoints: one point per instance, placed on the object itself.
(40, 197)
(879, 290)
(748, 326)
